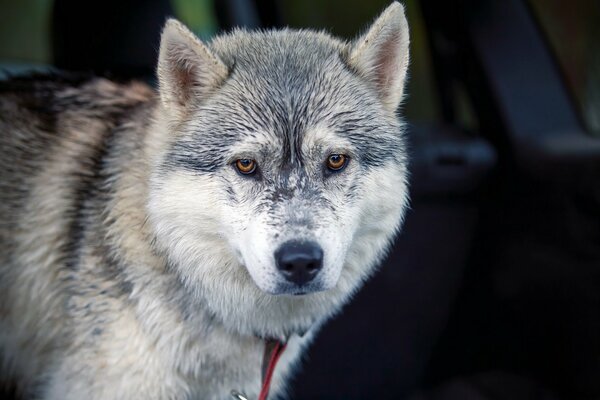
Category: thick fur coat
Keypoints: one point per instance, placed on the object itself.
(136, 262)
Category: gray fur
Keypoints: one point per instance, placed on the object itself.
(136, 262)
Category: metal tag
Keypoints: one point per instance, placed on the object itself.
(238, 396)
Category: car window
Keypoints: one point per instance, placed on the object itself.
(573, 32)
(24, 31)
(198, 15)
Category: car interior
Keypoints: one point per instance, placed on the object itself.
(492, 288)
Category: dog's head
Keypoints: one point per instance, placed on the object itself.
(281, 178)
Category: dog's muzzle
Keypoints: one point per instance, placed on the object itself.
(299, 262)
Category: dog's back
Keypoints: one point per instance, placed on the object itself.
(53, 131)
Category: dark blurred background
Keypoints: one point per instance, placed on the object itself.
(492, 290)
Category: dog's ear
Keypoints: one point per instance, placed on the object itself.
(187, 69)
(381, 55)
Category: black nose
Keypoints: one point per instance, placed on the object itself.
(299, 262)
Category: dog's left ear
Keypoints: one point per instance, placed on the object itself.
(381, 55)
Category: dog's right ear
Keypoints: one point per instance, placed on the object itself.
(187, 70)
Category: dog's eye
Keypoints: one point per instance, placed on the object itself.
(246, 166)
(337, 162)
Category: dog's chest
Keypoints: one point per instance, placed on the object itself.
(220, 364)
(237, 365)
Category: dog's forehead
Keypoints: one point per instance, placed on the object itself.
(286, 76)
(312, 140)
(278, 50)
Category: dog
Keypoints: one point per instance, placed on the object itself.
(155, 244)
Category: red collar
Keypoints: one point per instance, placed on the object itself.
(273, 350)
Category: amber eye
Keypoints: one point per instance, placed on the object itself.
(336, 162)
(245, 166)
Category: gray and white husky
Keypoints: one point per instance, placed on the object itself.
(152, 243)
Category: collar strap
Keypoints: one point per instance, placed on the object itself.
(273, 350)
